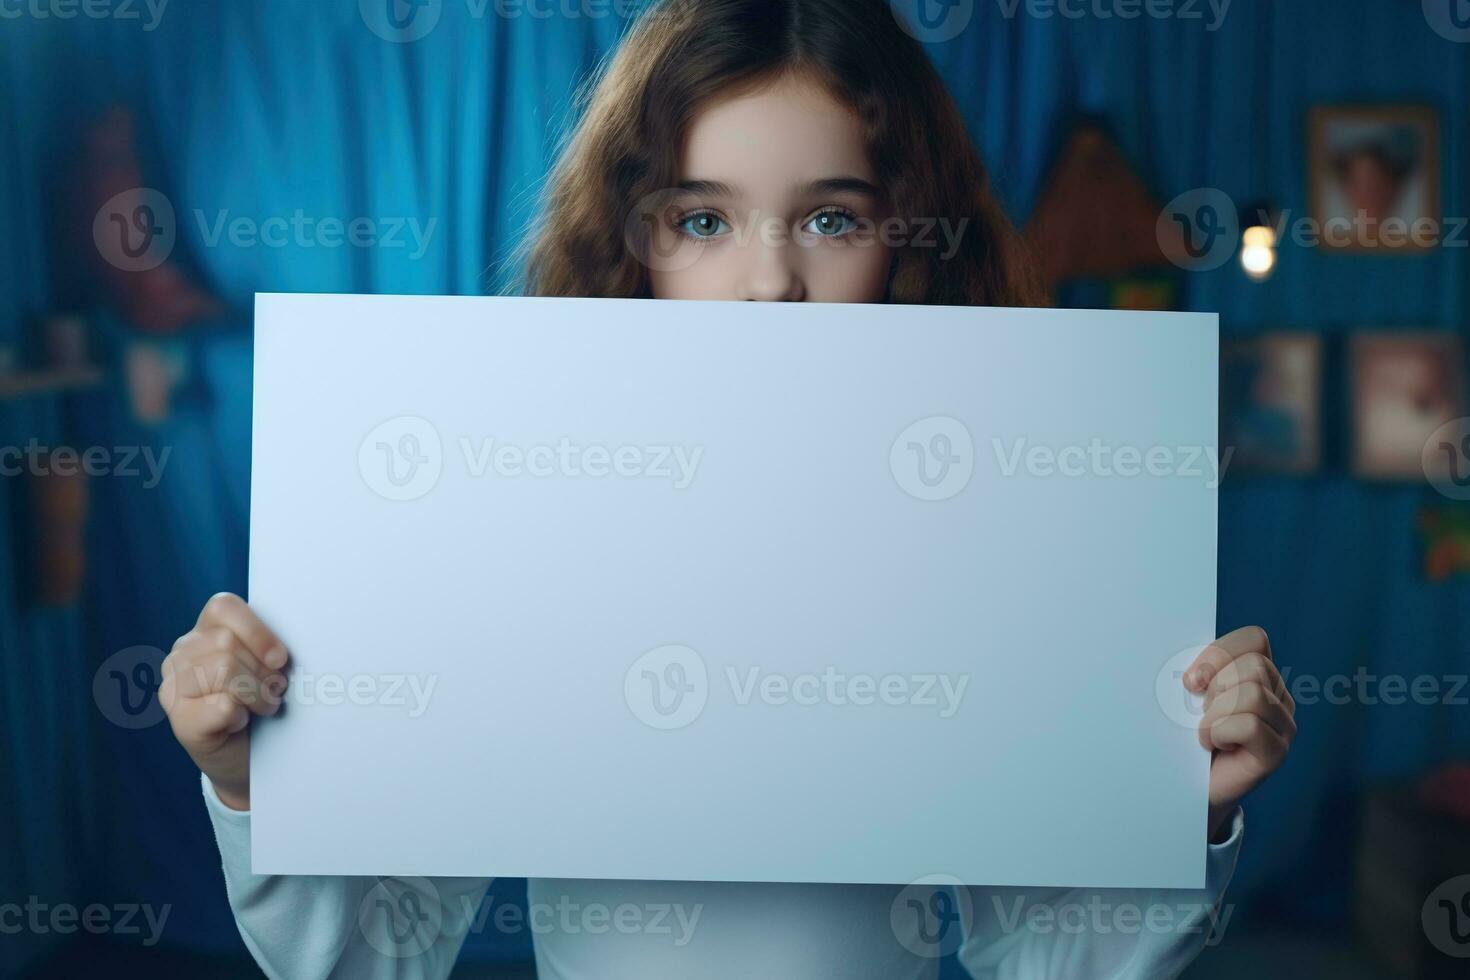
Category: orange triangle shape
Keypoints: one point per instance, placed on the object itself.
(1096, 218)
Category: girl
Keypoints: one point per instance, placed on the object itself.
(796, 150)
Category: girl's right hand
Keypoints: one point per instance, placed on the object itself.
(228, 667)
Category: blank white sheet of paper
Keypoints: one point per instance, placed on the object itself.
(732, 591)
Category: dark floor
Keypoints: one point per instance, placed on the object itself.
(1292, 956)
(1296, 957)
(118, 962)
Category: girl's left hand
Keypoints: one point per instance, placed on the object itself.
(1248, 718)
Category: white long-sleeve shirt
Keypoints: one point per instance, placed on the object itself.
(302, 927)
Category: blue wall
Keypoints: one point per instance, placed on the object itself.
(263, 108)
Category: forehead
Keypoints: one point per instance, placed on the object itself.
(775, 137)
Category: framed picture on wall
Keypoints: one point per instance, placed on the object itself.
(1270, 402)
(1375, 178)
(1404, 386)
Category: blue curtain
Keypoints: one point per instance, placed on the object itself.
(278, 107)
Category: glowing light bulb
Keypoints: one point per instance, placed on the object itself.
(1258, 252)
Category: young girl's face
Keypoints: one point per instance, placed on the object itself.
(776, 201)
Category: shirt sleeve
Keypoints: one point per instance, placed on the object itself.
(317, 926)
(1108, 934)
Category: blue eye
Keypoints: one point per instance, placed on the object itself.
(702, 224)
(831, 223)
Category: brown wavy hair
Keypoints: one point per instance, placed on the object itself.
(682, 55)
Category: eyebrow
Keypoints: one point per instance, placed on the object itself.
(813, 188)
(708, 188)
(837, 185)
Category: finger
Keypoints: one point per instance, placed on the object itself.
(1249, 734)
(1249, 668)
(222, 639)
(221, 671)
(1248, 699)
(1215, 657)
(212, 716)
(1247, 639)
(1252, 700)
(230, 611)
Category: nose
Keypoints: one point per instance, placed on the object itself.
(770, 274)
